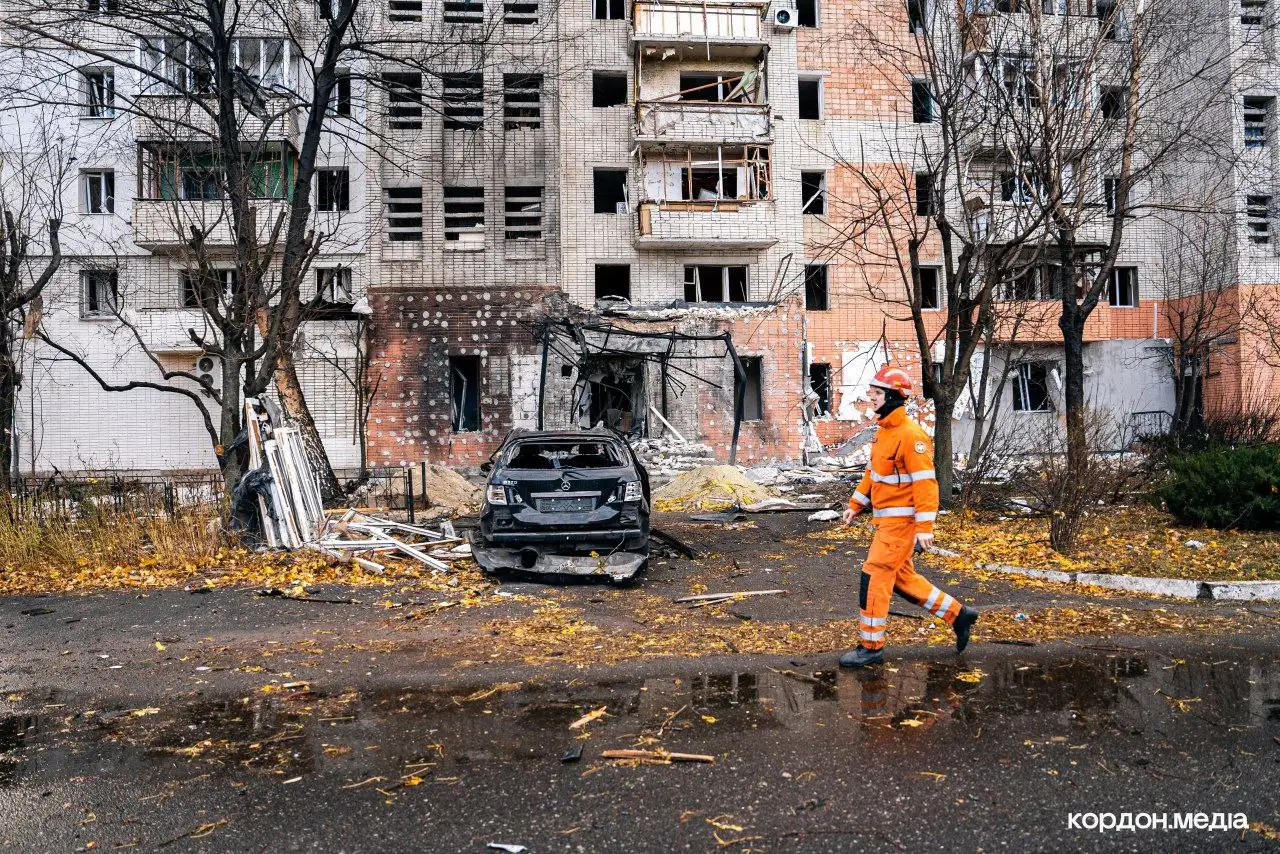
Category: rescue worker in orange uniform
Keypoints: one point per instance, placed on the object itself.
(900, 487)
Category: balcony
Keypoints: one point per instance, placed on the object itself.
(722, 224)
(166, 225)
(706, 30)
(169, 118)
(703, 122)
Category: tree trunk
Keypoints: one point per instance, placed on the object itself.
(8, 408)
(294, 403)
(943, 444)
(1073, 393)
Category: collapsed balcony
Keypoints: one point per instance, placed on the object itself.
(710, 198)
(727, 108)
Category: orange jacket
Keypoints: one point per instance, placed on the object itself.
(899, 481)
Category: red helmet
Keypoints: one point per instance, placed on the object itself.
(893, 379)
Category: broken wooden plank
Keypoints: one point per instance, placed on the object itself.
(657, 756)
(733, 595)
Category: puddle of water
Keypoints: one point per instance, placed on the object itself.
(912, 707)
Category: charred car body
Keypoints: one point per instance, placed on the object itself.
(570, 502)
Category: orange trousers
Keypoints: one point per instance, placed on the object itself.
(889, 568)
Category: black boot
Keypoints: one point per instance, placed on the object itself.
(862, 657)
(963, 624)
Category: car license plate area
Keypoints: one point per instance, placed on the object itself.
(566, 505)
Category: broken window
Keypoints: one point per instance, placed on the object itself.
(820, 383)
(100, 292)
(608, 10)
(613, 280)
(463, 212)
(520, 12)
(1111, 20)
(559, 455)
(1019, 81)
(921, 102)
(924, 194)
(404, 10)
(1122, 289)
(340, 97)
(464, 393)
(608, 88)
(100, 191)
(1257, 121)
(524, 213)
(463, 96)
(610, 188)
(1258, 219)
(915, 16)
(1109, 187)
(404, 213)
(1051, 281)
(752, 399)
(930, 293)
(714, 283)
(810, 94)
(1111, 102)
(1031, 387)
(1023, 285)
(333, 190)
(333, 285)
(813, 193)
(404, 99)
(522, 101)
(102, 7)
(207, 291)
(709, 182)
(463, 12)
(816, 297)
(100, 93)
(716, 87)
(1253, 12)
(807, 13)
(1018, 188)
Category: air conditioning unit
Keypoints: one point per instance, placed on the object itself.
(209, 369)
(785, 18)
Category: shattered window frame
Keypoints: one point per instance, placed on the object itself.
(734, 281)
(99, 293)
(817, 287)
(1031, 387)
(467, 414)
(523, 209)
(753, 388)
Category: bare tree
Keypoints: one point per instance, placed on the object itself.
(34, 173)
(235, 109)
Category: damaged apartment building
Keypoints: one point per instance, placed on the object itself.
(624, 212)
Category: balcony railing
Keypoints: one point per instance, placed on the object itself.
(660, 21)
(167, 118)
(160, 224)
(728, 224)
(702, 121)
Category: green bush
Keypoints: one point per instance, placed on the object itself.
(1225, 487)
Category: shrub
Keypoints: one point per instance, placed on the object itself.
(1225, 487)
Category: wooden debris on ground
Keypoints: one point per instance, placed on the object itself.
(704, 599)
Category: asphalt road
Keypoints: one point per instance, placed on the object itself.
(231, 722)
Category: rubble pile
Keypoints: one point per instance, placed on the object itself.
(710, 488)
(669, 456)
(448, 490)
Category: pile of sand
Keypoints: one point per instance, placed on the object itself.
(709, 488)
(449, 490)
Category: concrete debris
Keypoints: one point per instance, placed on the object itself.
(824, 516)
(709, 488)
(1194, 544)
(448, 490)
(668, 456)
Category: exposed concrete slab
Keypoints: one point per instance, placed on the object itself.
(1180, 587)
(1249, 591)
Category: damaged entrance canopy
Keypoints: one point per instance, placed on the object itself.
(610, 360)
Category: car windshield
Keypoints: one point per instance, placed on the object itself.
(564, 455)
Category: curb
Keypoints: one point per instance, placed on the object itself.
(1178, 588)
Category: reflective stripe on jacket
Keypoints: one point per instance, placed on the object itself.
(899, 480)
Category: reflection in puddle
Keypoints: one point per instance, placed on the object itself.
(912, 706)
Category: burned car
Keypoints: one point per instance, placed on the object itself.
(572, 502)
